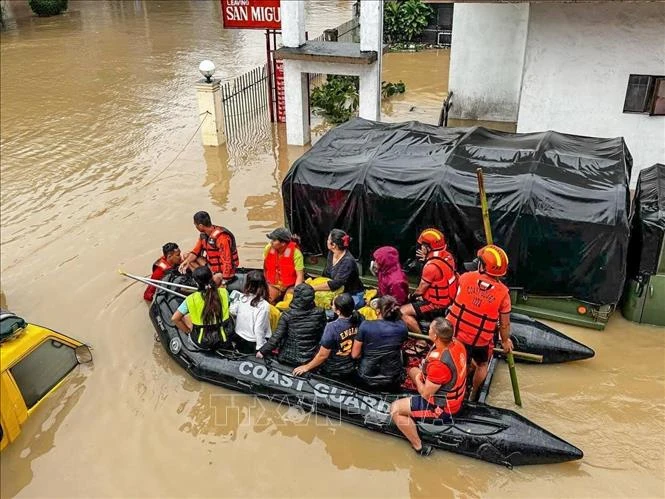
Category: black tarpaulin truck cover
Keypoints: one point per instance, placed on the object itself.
(559, 204)
(648, 222)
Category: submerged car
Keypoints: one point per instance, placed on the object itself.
(34, 362)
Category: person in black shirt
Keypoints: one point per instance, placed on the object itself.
(341, 268)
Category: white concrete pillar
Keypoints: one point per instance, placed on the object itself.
(297, 103)
(487, 59)
(371, 25)
(209, 97)
(371, 38)
(293, 23)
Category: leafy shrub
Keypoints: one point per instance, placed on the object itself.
(45, 8)
(405, 20)
(388, 89)
(337, 100)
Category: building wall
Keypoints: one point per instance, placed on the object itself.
(577, 62)
(486, 60)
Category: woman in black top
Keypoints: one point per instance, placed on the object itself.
(341, 268)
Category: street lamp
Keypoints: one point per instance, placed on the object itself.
(207, 69)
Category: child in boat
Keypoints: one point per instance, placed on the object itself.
(171, 259)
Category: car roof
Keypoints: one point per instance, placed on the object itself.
(23, 341)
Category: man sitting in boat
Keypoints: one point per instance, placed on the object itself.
(216, 248)
(482, 303)
(341, 268)
(379, 347)
(337, 340)
(441, 385)
(299, 329)
(170, 260)
(438, 282)
(391, 278)
(204, 314)
(283, 263)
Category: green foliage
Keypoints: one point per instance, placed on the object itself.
(45, 8)
(405, 20)
(337, 100)
(2, 16)
(388, 89)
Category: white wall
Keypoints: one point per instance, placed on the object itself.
(486, 60)
(577, 62)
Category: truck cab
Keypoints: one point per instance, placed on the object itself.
(34, 362)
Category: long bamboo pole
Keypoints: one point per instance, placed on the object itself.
(488, 236)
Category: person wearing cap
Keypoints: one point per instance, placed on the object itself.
(441, 386)
(283, 264)
(481, 305)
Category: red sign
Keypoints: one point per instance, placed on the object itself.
(251, 14)
(279, 84)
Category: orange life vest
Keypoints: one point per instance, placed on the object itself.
(281, 268)
(454, 357)
(214, 254)
(442, 291)
(474, 313)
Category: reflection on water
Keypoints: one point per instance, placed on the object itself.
(101, 164)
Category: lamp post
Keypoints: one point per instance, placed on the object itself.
(209, 97)
(207, 69)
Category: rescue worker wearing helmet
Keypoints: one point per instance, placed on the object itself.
(481, 305)
(438, 282)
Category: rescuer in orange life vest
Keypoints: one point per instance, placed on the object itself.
(170, 260)
(438, 282)
(215, 248)
(283, 263)
(441, 385)
(482, 304)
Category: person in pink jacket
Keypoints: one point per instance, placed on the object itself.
(392, 279)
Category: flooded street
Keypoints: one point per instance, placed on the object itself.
(101, 164)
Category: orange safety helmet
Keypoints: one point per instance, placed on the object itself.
(494, 260)
(432, 238)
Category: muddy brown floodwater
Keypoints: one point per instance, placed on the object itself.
(99, 169)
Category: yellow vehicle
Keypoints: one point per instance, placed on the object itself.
(34, 362)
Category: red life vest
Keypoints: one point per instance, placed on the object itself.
(162, 264)
(281, 268)
(214, 254)
(454, 357)
(442, 291)
(474, 313)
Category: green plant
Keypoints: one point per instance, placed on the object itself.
(337, 100)
(45, 8)
(404, 20)
(388, 89)
(2, 16)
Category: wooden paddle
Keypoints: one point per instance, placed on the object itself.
(488, 237)
(529, 357)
